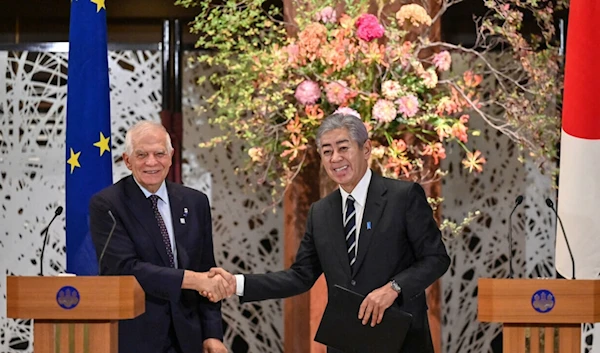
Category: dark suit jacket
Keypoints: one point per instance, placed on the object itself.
(404, 243)
(136, 248)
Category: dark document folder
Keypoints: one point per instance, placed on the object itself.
(340, 327)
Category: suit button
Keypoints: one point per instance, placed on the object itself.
(353, 282)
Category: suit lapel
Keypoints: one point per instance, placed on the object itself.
(177, 203)
(373, 210)
(141, 208)
(336, 225)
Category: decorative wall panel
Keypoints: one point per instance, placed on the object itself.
(483, 250)
(32, 164)
(247, 240)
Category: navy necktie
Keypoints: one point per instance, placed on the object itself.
(163, 229)
(350, 230)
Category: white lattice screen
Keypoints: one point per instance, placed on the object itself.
(483, 250)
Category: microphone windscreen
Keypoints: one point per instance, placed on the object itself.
(519, 199)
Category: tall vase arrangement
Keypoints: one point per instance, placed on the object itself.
(273, 90)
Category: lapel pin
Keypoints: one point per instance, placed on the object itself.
(185, 212)
(182, 220)
(368, 225)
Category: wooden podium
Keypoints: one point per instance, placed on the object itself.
(530, 309)
(74, 314)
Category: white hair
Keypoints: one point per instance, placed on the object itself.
(141, 127)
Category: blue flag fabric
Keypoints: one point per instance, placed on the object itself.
(88, 151)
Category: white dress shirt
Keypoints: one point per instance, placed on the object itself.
(164, 208)
(360, 200)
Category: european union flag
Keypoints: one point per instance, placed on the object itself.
(89, 161)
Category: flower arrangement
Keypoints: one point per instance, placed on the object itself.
(274, 89)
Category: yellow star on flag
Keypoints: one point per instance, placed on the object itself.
(103, 144)
(73, 161)
(99, 5)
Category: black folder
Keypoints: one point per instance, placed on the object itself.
(340, 327)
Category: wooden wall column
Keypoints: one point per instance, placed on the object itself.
(302, 313)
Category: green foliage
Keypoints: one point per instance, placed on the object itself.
(273, 89)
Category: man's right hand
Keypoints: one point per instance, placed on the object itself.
(217, 272)
(213, 287)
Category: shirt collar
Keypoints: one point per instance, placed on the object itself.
(360, 190)
(161, 192)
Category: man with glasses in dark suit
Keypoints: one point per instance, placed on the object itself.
(374, 235)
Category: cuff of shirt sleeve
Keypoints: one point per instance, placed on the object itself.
(239, 285)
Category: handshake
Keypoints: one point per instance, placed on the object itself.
(216, 284)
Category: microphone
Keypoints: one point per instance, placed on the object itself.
(44, 232)
(110, 234)
(550, 204)
(518, 201)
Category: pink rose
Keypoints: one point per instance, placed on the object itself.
(384, 111)
(442, 60)
(391, 89)
(327, 15)
(308, 92)
(337, 92)
(368, 27)
(408, 105)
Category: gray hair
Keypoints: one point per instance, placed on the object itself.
(356, 128)
(141, 127)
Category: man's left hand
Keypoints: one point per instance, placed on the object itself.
(375, 304)
(213, 345)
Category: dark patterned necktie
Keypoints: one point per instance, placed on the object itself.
(350, 230)
(163, 229)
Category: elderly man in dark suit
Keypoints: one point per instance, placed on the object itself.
(374, 235)
(163, 237)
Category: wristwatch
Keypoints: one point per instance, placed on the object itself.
(395, 286)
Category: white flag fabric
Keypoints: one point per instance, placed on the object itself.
(579, 178)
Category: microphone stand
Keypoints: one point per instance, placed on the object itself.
(550, 204)
(44, 232)
(518, 201)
